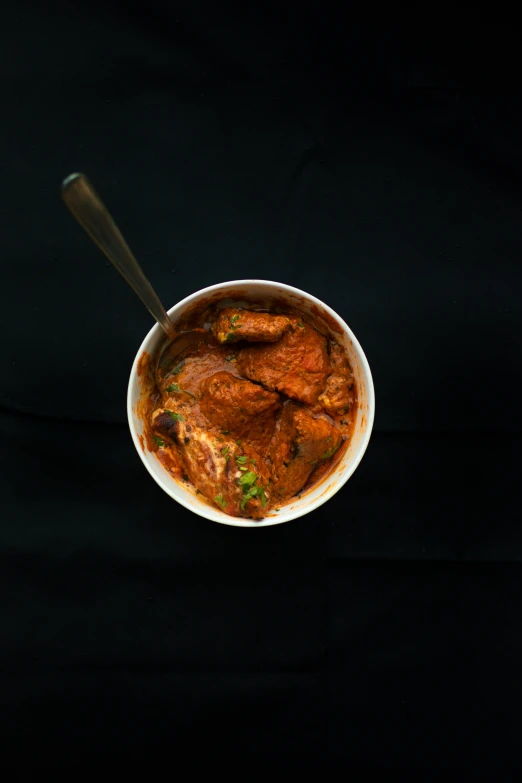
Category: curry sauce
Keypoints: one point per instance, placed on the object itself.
(256, 412)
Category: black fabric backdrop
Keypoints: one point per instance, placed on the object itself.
(381, 171)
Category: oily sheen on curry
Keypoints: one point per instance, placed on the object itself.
(256, 415)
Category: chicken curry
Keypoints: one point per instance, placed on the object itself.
(254, 413)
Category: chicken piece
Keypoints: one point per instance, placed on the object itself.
(233, 325)
(235, 479)
(199, 362)
(300, 443)
(338, 396)
(243, 408)
(297, 365)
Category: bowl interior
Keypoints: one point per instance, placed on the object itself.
(267, 294)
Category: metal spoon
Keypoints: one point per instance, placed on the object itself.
(90, 212)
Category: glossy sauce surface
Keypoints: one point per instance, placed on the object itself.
(254, 415)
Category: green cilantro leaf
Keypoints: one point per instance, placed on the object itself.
(252, 492)
(175, 416)
(225, 450)
(159, 441)
(329, 452)
(247, 479)
(241, 460)
(219, 499)
(173, 388)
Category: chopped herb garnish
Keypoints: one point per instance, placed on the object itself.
(175, 416)
(159, 441)
(219, 499)
(241, 460)
(253, 461)
(243, 467)
(230, 358)
(229, 337)
(234, 319)
(177, 368)
(300, 325)
(174, 387)
(238, 442)
(247, 479)
(252, 492)
(251, 489)
(329, 452)
(225, 450)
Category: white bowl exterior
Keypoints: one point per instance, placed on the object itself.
(333, 480)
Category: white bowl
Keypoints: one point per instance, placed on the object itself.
(266, 292)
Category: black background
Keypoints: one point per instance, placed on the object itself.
(377, 165)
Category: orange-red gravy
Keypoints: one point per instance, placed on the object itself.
(195, 364)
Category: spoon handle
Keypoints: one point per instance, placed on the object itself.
(91, 213)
